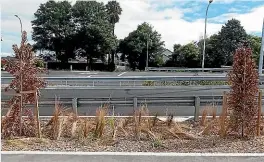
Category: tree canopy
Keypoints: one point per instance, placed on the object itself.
(53, 28)
(219, 48)
(94, 31)
(87, 29)
(138, 42)
(84, 29)
(231, 36)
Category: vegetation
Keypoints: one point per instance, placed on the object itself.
(220, 48)
(134, 47)
(240, 103)
(183, 83)
(114, 11)
(84, 29)
(87, 29)
(25, 87)
(244, 89)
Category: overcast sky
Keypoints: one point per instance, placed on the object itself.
(178, 21)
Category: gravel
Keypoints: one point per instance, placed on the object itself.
(209, 144)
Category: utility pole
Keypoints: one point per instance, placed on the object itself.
(205, 25)
(261, 51)
(21, 83)
(21, 28)
(147, 59)
(147, 55)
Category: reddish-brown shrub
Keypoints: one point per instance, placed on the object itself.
(244, 87)
(22, 67)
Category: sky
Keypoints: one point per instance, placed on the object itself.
(178, 21)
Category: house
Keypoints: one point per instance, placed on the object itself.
(166, 54)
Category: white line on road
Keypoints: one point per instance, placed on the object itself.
(121, 74)
(88, 73)
(127, 153)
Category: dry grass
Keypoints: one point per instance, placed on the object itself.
(100, 122)
(204, 116)
(54, 128)
(207, 130)
(213, 112)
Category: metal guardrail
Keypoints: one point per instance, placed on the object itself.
(194, 101)
(224, 69)
(129, 81)
(129, 78)
(187, 69)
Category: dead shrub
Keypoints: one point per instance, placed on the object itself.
(204, 116)
(142, 125)
(54, 128)
(25, 80)
(244, 85)
(100, 122)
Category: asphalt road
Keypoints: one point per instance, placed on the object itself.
(115, 74)
(126, 158)
(126, 94)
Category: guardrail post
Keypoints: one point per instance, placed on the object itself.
(75, 105)
(135, 102)
(197, 108)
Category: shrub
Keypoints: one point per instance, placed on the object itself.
(25, 79)
(244, 88)
(39, 63)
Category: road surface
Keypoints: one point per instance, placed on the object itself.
(127, 157)
(115, 74)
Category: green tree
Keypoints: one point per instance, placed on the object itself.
(189, 55)
(230, 37)
(94, 31)
(114, 11)
(134, 46)
(175, 60)
(255, 45)
(213, 58)
(52, 27)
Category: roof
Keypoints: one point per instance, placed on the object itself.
(164, 50)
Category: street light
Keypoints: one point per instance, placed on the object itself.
(210, 1)
(261, 51)
(147, 60)
(21, 83)
(20, 22)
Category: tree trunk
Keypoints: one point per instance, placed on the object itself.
(113, 51)
(87, 61)
(90, 63)
(109, 57)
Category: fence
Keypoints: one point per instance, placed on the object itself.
(191, 105)
(223, 69)
(133, 81)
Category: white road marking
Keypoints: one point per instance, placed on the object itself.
(88, 73)
(121, 74)
(127, 153)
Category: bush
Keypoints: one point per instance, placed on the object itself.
(183, 83)
(244, 88)
(40, 63)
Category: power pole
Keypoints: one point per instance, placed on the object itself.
(205, 25)
(261, 51)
